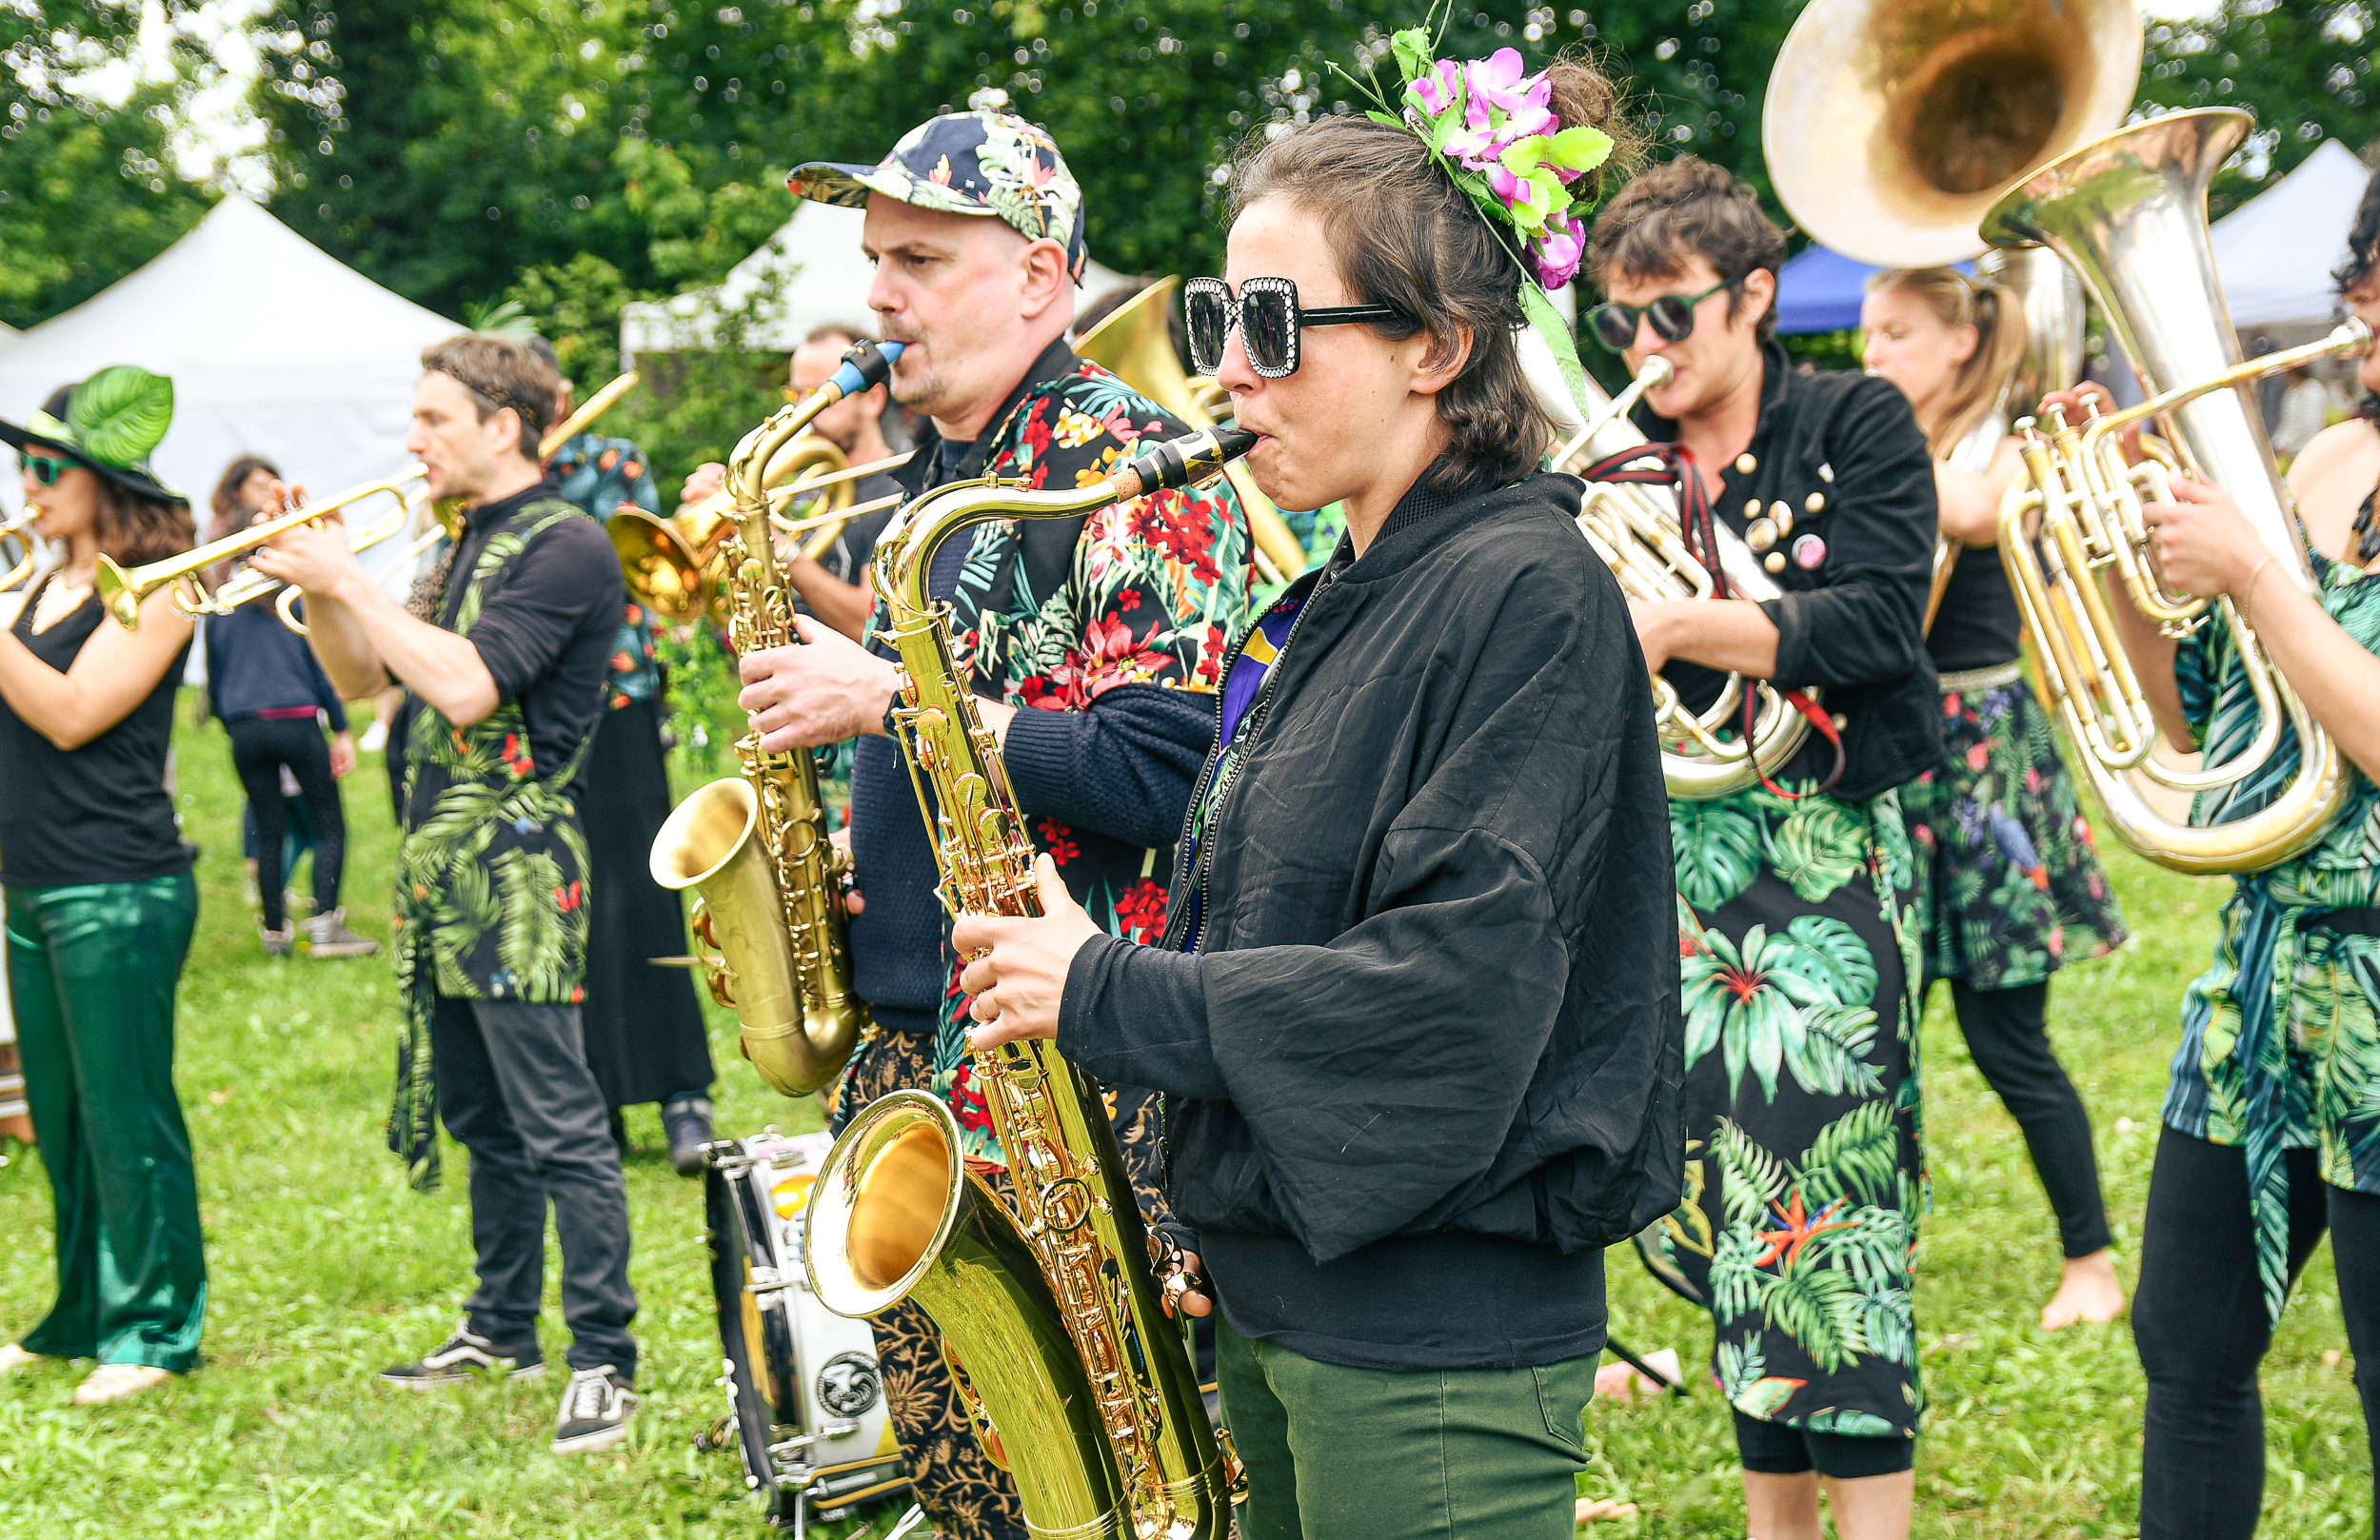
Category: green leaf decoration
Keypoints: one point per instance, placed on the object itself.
(121, 414)
(1750, 1177)
(1831, 1056)
(1820, 846)
(1833, 951)
(1737, 1285)
(1549, 324)
(1581, 149)
(1823, 1312)
(1739, 1364)
(1856, 1155)
(1849, 1422)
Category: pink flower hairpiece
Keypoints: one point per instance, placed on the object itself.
(1485, 118)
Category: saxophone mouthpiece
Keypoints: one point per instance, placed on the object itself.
(866, 366)
(1194, 456)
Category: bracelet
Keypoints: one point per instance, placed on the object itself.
(2248, 591)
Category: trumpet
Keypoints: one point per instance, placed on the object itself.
(19, 525)
(120, 592)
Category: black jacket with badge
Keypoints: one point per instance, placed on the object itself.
(1839, 475)
(1425, 1061)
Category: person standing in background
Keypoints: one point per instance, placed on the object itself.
(644, 1036)
(2009, 884)
(100, 897)
(834, 584)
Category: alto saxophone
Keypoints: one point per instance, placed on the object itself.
(1049, 1313)
(770, 910)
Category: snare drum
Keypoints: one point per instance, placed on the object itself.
(805, 1400)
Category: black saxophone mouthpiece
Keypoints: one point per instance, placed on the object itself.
(1194, 456)
(866, 366)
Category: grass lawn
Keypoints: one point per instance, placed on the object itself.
(325, 1268)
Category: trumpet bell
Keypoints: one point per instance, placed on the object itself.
(664, 573)
(1928, 111)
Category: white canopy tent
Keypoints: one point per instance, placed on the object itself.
(817, 273)
(274, 347)
(2275, 251)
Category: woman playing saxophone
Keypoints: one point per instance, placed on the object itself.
(1414, 1004)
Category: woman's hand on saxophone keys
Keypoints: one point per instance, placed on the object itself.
(1017, 971)
(822, 691)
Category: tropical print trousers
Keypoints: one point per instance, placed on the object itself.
(1804, 1176)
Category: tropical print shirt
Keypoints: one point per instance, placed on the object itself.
(491, 878)
(603, 476)
(1051, 614)
(2281, 1035)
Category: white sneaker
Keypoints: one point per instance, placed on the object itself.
(375, 738)
(15, 1358)
(595, 1412)
(110, 1383)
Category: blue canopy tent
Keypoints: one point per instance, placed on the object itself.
(1820, 291)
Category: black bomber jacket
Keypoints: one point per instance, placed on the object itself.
(1435, 989)
(1839, 472)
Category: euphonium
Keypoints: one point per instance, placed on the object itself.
(1050, 1313)
(1634, 529)
(2128, 213)
(770, 884)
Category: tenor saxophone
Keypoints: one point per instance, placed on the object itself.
(770, 909)
(1049, 1313)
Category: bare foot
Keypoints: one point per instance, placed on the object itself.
(1592, 1508)
(2088, 1293)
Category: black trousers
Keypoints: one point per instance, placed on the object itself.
(2200, 1324)
(514, 1089)
(2007, 1032)
(260, 746)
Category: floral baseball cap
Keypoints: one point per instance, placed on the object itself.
(984, 161)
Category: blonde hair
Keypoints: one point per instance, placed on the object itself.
(1977, 385)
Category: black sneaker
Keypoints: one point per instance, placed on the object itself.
(687, 1120)
(596, 1407)
(465, 1356)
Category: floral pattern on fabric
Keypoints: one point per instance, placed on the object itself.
(603, 476)
(491, 876)
(1152, 591)
(2280, 1045)
(1805, 1178)
(967, 162)
(2010, 886)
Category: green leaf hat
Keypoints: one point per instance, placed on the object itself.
(111, 423)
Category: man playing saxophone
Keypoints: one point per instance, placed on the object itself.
(1094, 645)
(503, 651)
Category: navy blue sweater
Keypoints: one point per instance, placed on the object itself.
(255, 663)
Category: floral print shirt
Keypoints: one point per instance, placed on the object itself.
(603, 476)
(2281, 1035)
(1052, 615)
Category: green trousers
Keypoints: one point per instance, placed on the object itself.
(91, 975)
(1338, 1454)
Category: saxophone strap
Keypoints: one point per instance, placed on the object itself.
(1676, 471)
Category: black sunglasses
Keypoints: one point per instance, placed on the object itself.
(1269, 319)
(46, 470)
(1672, 317)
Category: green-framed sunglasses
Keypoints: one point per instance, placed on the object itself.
(46, 468)
(1614, 325)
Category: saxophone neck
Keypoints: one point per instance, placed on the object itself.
(866, 364)
(906, 558)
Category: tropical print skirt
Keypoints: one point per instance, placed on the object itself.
(2010, 886)
(1804, 1174)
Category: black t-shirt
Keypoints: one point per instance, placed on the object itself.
(96, 813)
(548, 624)
(848, 557)
(1977, 625)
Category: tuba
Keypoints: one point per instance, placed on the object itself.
(1634, 529)
(1049, 1314)
(770, 911)
(1136, 344)
(2129, 213)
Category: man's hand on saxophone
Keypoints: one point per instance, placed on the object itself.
(829, 689)
(1017, 967)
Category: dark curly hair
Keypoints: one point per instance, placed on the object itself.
(1685, 209)
(2362, 240)
(1402, 234)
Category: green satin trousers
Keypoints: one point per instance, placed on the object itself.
(91, 977)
